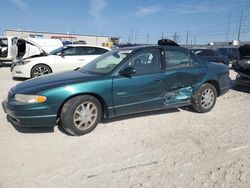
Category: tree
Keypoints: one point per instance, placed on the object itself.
(176, 37)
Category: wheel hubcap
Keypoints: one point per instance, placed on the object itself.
(207, 98)
(39, 71)
(85, 115)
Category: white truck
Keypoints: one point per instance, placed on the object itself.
(14, 48)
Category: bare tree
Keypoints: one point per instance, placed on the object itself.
(176, 37)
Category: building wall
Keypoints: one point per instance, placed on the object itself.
(89, 39)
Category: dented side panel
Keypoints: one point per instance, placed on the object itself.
(180, 84)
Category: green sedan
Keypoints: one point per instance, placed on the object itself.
(122, 81)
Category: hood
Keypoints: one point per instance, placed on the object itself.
(35, 44)
(36, 85)
(244, 51)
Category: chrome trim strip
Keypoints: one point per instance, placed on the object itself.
(35, 116)
(138, 102)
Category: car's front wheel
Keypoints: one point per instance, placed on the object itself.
(205, 98)
(39, 70)
(81, 114)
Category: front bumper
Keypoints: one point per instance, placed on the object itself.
(20, 71)
(30, 117)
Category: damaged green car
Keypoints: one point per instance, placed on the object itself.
(122, 81)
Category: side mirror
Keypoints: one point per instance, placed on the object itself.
(127, 71)
(62, 54)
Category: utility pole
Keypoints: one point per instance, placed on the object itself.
(147, 37)
(187, 38)
(162, 35)
(240, 26)
(131, 38)
(194, 40)
(135, 36)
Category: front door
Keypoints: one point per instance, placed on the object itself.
(70, 58)
(143, 90)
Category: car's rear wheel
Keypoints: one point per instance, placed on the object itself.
(80, 115)
(205, 98)
(39, 70)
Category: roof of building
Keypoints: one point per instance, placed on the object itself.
(57, 33)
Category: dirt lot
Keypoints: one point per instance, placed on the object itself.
(170, 148)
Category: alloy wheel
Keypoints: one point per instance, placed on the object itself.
(207, 98)
(85, 115)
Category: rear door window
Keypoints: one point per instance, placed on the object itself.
(71, 51)
(175, 58)
(94, 51)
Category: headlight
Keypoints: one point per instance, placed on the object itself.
(22, 62)
(30, 98)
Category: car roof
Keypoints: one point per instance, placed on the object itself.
(138, 47)
(87, 45)
(201, 49)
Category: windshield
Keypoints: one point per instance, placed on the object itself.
(107, 62)
(54, 52)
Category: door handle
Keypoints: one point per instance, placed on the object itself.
(81, 59)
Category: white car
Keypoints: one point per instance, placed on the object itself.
(65, 58)
(15, 48)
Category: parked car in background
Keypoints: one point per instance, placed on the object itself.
(232, 53)
(122, 81)
(211, 56)
(15, 48)
(64, 58)
(242, 66)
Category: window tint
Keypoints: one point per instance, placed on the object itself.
(106, 63)
(176, 58)
(195, 61)
(205, 53)
(73, 51)
(94, 51)
(4, 42)
(145, 62)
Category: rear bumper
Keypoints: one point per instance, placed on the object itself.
(24, 118)
(224, 90)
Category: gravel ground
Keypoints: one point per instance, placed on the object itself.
(169, 148)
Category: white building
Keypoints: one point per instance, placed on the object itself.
(74, 38)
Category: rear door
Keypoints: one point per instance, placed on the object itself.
(143, 90)
(183, 75)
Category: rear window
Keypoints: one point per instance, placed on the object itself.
(205, 52)
(94, 51)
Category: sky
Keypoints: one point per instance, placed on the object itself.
(135, 21)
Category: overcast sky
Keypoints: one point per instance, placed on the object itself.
(133, 20)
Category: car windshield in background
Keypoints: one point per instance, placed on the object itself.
(54, 52)
(106, 63)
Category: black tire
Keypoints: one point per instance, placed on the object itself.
(199, 100)
(39, 70)
(76, 112)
